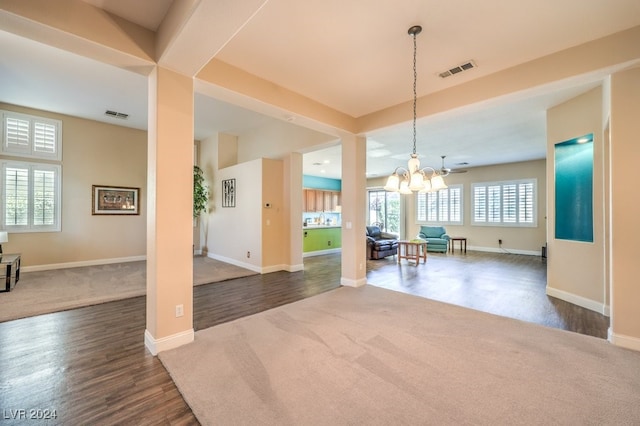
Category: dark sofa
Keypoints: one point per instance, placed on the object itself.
(380, 244)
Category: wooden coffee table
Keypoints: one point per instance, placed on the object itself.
(412, 250)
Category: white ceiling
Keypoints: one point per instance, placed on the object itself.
(354, 57)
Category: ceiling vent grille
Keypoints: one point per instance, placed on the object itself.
(115, 114)
(458, 69)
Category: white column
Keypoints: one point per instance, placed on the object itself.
(354, 200)
(170, 211)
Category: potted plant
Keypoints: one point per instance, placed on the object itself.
(200, 192)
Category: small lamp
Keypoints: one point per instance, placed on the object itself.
(4, 238)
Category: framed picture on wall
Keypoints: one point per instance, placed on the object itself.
(115, 200)
(229, 193)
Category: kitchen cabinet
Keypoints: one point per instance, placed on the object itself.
(318, 200)
(309, 200)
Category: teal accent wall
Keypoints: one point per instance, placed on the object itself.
(574, 190)
(315, 182)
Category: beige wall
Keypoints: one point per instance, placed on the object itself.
(575, 270)
(625, 208)
(273, 217)
(94, 153)
(523, 240)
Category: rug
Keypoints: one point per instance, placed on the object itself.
(56, 290)
(378, 357)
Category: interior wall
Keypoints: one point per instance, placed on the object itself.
(235, 233)
(575, 269)
(625, 208)
(93, 153)
(523, 240)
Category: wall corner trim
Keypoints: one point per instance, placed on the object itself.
(156, 346)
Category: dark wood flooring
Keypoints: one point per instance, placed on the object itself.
(90, 366)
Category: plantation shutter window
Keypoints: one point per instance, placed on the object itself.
(16, 196)
(508, 203)
(30, 136)
(16, 135)
(31, 197)
(441, 207)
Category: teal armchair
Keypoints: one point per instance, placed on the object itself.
(436, 237)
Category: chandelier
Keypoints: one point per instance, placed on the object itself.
(413, 178)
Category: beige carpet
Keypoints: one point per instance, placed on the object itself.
(377, 357)
(57, 290)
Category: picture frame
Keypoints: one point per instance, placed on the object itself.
(115, 200)
(229, 193)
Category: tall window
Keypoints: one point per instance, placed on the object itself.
(384, 210)
(30, 190)
(442, 207)
(507, 203)
(31, 194)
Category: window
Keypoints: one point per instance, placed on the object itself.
(384, 210)
(30, 191)
(508, 203)
(31, 197)
(30, 136)
(442, 207)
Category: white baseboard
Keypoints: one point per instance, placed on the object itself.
(505, 250)
(577, 300)
(258, 269)
(165, 343)
(294, 268)
(347, 282)
(36, 268)
(249, 266)
(321, 252)
(623, 341)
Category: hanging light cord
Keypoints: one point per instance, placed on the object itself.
(415, 93)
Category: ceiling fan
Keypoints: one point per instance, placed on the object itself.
(444, 171)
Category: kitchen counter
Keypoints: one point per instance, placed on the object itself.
(321, 226)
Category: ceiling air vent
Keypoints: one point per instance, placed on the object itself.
(458, 69)
(116, 114)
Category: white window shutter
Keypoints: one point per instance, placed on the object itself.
(44, 138)
(16, 136)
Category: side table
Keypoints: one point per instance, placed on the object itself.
(11, 263)
(412, 250)
(463, 240)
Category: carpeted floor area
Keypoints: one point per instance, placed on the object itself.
(374, 356)
(56, 290)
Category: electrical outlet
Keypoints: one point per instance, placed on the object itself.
(179, 311)
(248, 254)
(500, 242)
